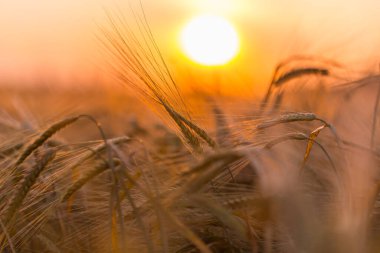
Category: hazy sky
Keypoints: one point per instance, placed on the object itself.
(45, 40)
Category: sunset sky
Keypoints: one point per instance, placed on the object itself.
(55, 40)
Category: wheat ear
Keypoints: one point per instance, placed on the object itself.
(199, 131)
(25, 185)
(287, 118)
(300, 72)
(44, 136)
(191, 138)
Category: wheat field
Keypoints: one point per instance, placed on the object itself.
(146, 168)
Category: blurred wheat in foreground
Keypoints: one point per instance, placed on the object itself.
(295, 172)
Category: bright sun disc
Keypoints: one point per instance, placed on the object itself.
(210, 40)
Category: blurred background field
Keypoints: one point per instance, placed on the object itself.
(55, 42)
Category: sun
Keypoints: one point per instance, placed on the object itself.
(210, 40)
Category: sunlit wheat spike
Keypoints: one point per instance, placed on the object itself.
(296, 73)
(144, 68)
(190, 137)
(181, 120)
(139, 62)
(26, 183)
(200, 132)
(98, 169)
(287, 118)
(44, 136)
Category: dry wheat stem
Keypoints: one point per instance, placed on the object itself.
(97, 170)
(186, 232)
(116, 184)
(7, 236)
(50, 246)
(99, 149)
(130, 178)
(139, 220)
(222, 130)
(223, 215)
(300, 137)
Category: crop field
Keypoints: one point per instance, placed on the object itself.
(148, 167)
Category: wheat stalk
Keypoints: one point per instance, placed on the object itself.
(301, 137)
(8, 237)
(222, 131)
(98, 169)
(223, 215)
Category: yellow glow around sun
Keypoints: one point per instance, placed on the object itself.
(210, 40)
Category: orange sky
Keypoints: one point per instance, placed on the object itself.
(46, 40)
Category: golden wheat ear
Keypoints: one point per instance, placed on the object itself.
(320, 67)
(141, 66)
(297, 73)
(27, 182)
(41, 139)
(199, 131)
(287, 118)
